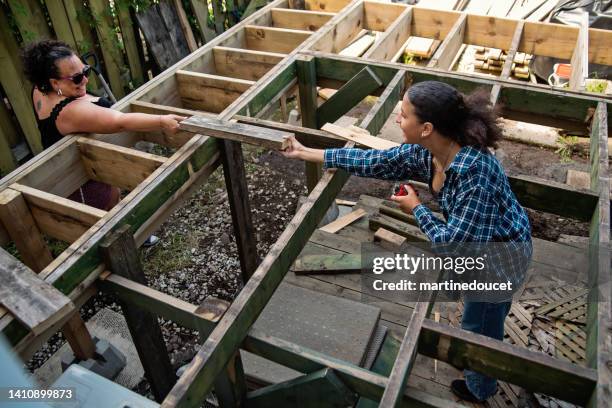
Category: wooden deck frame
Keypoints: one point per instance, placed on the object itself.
(78, 268)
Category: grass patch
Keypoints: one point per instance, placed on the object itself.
(172, 254)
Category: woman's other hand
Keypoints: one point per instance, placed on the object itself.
(294, 148)
(409, 201)
(170, 123)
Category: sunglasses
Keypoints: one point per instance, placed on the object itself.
(78, 78)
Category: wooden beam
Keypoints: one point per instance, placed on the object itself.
(446, 52)
(116, 165)
(534, 371)
(79, 338)
(392, 397)
(299, 19)
(580, 56)
(390, 42)
(360, 138)
(272, 39)
(131, 42)
(59, 217)
(358, 87)
(379, 16)
(244, 64)
(31, 300)
(25, 233)
(268, 138)
(348, 26)
(185, 27)
(207, 92)
(200, 10)
(310, 390)
(121, 256)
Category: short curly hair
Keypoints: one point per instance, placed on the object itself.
(40, 61)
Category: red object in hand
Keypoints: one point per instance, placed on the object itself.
(402, 190)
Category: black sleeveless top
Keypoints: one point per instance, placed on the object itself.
(48, 129)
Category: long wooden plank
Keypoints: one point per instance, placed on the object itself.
(59, 217)
(208, 92)
(359, 138)
(324, 264)
(379, 16)
(299, 19)
(272, 39)
(268, 138)
(244, 64)
(345, 30)
(116, 165)
(532, 370)
(34, 302)
(343, 221)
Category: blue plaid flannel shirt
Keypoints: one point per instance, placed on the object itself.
(476, 200)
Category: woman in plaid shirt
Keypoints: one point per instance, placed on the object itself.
(446, 141)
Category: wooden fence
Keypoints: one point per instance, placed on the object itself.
(133, 40)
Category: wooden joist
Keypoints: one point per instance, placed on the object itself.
(116, 165)
(445, 54)
(32, 301)
(271, 39)
(244, 64)
(299, 19)
(259, 136)
(208, 92)
(59, 217)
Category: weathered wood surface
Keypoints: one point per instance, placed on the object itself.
(360, 138)
(259, 136)
(343, 221)
(121, 257)
(324, 264)
(32, 301)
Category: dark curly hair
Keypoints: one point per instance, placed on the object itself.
(469, 120)
(40, 61)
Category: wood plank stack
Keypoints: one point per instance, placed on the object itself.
(492, 59)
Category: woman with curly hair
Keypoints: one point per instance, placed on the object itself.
(447, 136)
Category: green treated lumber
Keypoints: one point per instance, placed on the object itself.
(401, 228)
(142, 203)
(393, 92)
(307, 85)
(260, 101)
(531, 370)
(200, 9)
(599, 304)
(350, 94)
(30, 19)
(531, 103)
(113, 57)
(16, 86)
(382, 365)
(364, 382)
(322, 388)
(553, 197)
(326, 264)
(232, 329)
(392, 397)
(130, 42)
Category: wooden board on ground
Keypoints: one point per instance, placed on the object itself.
(34, 302)
(342, 222)
(421, 46)
(259, 136)
(323, 264)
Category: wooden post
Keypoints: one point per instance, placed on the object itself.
(16, 86)
(8, 137)
(130, 42)
(219, 17)
(121, 257)
(200, 9)
(61, 23)
(79, 338)
(230, 385)
(238, 195)
(307, 85)
(185, 27)
(18, 221)
(113, 58)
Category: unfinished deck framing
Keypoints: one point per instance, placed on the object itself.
(249, 68)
